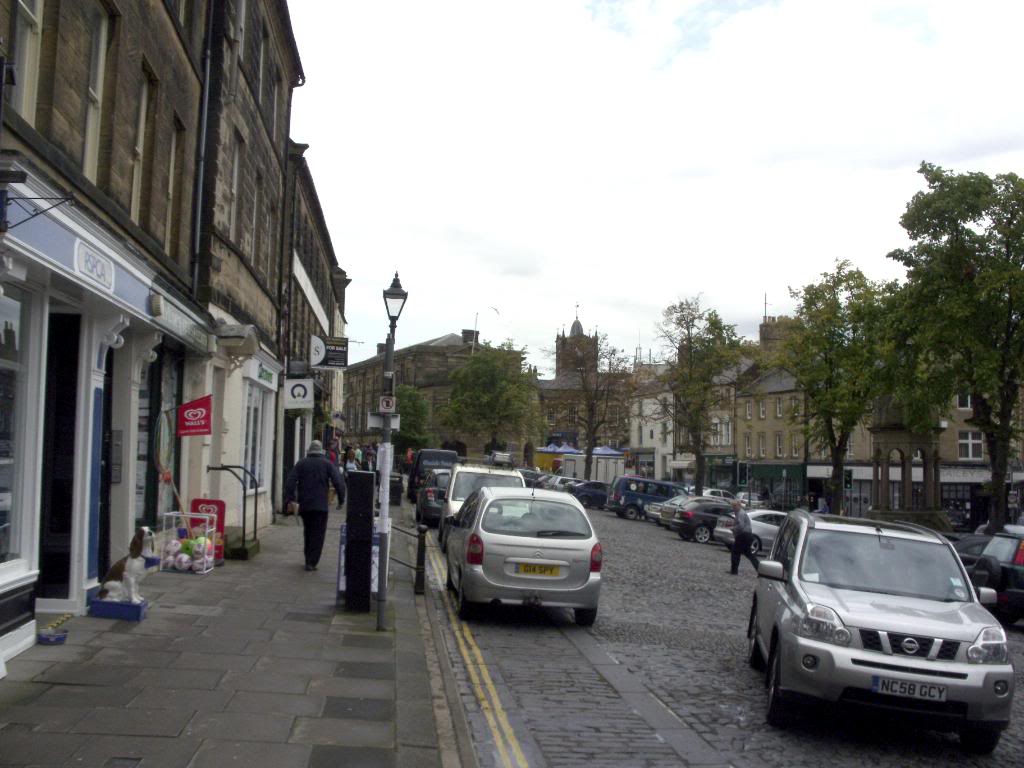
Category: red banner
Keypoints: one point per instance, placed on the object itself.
(196, 417)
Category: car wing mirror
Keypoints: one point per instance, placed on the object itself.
(987, 596)
(442, 494)
(979, 579)
(771, 569)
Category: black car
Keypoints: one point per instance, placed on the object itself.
(591, 493)
(425, 460)
(1001, 567)
(697, 518)
(430, 497)
(969, 546)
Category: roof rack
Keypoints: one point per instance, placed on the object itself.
(915, 527)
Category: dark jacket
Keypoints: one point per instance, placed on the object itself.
(307, 484)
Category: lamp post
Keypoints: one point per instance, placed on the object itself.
(394, 301)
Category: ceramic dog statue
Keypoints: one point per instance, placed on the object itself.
(121, 583)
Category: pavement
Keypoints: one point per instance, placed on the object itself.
(252, 664)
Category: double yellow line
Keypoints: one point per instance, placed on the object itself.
(509, 751)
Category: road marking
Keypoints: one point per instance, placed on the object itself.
(490, 703)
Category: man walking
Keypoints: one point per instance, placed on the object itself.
(741, 541)
(307, 483)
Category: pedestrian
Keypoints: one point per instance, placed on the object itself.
(742, 537)
(350, 461)
(307, 484)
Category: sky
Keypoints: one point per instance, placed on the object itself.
(511, 160)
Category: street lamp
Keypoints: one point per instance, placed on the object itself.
(394, 301)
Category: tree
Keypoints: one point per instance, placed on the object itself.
(833, 349)
(414, 432)
(705, 353)
(963, 303)
(603, 393)
(493, 394)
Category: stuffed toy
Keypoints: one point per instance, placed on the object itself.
(122, 580)
(183, 562)
(172, 548)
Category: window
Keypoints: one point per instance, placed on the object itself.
(240, 28)
(794, 405)
(142, 160)
(761, 444)
(747, 451)
(652, 433)
(255, 450)
(236, 162)
(726, 432)
(260, 65)
(183, 12)
(27, 37)
(255, 229)
(172, 217)
(969, 445)
(716, 435)
(551, 417)
(275, 95)
(796, 444)
(14, 309)
(572, 414)
(639, 434)
(94, 97)
(963, 402)
(664, 433)
(761, 409)
(778, 407)
(750, 410)
(780, 445)
(849, 447)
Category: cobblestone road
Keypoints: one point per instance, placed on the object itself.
(670, 635)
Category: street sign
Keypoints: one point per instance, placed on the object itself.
(328, 352)
(387, 404)
(298, 394)
(376, 421)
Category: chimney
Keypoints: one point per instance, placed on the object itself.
(772, 331)
(470, 336)
(381, 348)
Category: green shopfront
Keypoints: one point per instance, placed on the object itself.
(783, 484)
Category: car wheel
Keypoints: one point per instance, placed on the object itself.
(465, 607)
(754, 657)
(585, 501)
(776, 711)
(755, 546)
(979, 740)
(585, 617)
(632, 513)
(702, 535)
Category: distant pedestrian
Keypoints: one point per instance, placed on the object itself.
(742, 538)
(350, 461)
(307, 483)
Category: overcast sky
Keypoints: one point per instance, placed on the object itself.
(511, 159)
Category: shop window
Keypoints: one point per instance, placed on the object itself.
(14, 307)
(256, 449)
(159, 447)
(969, 445)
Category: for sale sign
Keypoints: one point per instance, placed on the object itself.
(196, 417)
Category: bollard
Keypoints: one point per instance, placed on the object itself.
(421, 558)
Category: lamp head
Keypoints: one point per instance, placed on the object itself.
(394, 299)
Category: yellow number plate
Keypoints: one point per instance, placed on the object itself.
(528, 569)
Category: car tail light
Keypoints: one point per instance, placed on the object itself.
(684, 514)
(596, 558)
(1019, 557)
(430, 494)
(474, 550)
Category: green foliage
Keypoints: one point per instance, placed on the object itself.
(960, 325)
(414, 432)
(705, 354)
(493, 395)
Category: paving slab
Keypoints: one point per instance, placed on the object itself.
(344, 707)
(242, 726)
(364, 757)
(86, 674)
(20, 670)
(42, 718)
(281, 703)
(267, 682)
(87, 696)
(39, 748)
(126, 721)
(215, 753)
(347, 733)
(190, 699)
(205, 679)
(143, 751)
(353, 687)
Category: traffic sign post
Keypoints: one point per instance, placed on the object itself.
(387, 404)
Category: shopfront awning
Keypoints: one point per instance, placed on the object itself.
(777, 471)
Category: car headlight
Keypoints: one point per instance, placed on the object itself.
(989, 647)
(823, 624)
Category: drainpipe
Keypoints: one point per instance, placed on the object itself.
(197, 207)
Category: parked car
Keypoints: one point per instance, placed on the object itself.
(1000, 566)
(969, 546)
(525, 546)
(499, 459)
(465, 479)
(425, 460)
(663, 512)
(879, 614)
(430, 497)
(752, 500)
(719, 493)
(630, 495)
(531, 477)
(697, 518)
(764, 524)
(591, 493)
(559, 483)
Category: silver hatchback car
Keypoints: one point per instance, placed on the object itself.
(524, 546)
(883, 615)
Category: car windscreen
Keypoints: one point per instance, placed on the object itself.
(1002, 548)
(467, 482)
(535, 518)
(888, 565)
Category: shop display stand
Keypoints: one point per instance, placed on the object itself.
(185, 528)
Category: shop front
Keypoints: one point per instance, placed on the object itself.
(78, 331)
(781, 484)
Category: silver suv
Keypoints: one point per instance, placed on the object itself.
(883, 615)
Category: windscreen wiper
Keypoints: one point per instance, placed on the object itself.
(540, 534)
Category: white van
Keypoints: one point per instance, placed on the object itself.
(465, 479)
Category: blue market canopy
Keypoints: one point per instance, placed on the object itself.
(604, 450)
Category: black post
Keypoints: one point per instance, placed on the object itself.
(359, 542)
(421, 559)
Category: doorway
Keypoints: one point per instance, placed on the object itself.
(58, 475)
(106, 464)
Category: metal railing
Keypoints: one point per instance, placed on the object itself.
(421, 556)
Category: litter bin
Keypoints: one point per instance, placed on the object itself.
(395, 490)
